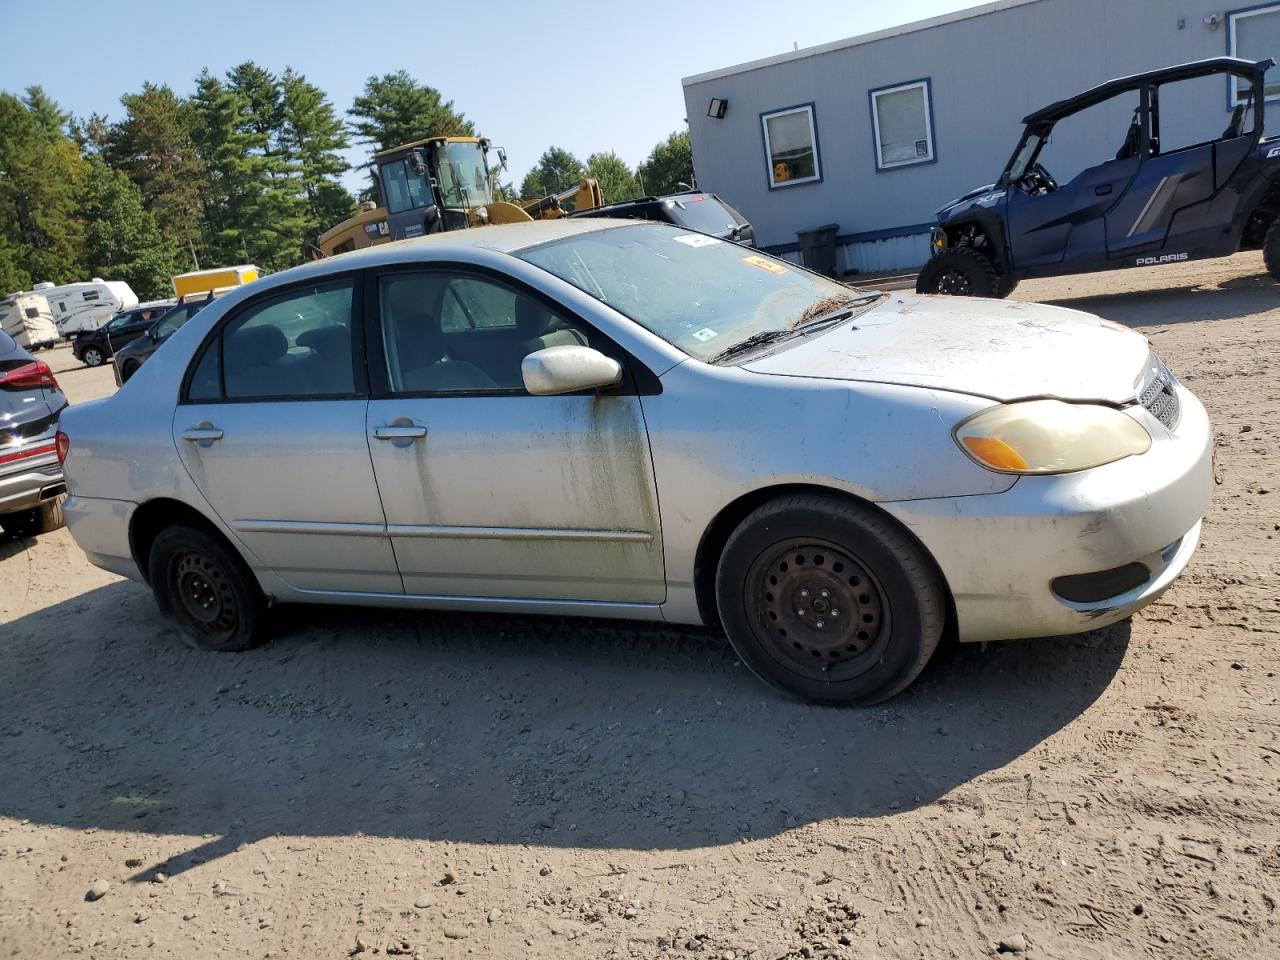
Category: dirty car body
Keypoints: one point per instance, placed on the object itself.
(630, 420)
(1154, 202)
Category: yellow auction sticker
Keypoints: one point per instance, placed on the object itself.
(768, 266)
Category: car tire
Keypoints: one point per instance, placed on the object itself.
(207, 590)
(93, 357)
(1271, 249)
(797, 565)
(38, 520)
(959, 272)
(127, 371)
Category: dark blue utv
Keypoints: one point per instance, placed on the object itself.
(1151, 203)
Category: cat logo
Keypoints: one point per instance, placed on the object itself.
(1167, 258)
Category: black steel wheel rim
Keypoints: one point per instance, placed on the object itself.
(204, 595)
(817, 609)
(955, 282)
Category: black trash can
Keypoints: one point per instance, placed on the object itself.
(818, 248)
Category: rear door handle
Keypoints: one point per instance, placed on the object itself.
(399, 433)
(202, 434)
(1102, 189)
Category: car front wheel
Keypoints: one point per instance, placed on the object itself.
(207, 590)
(127, 371)
(93, 357)
(828, 600)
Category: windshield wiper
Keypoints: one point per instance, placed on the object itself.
(824, 313)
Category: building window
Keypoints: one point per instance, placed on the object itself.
(902, 121)
(791, 146)
(90, 295)
(1254, 34)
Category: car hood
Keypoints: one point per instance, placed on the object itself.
(990, 348)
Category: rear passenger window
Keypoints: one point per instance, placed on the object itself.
(297, 346)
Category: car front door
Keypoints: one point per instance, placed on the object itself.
(271, 428)
(488, 490)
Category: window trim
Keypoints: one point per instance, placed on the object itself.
(927, 84)
(634, 373)
(1232, 16)
(768, 115)
(359, 377)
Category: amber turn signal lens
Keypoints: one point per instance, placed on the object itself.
(996, 453)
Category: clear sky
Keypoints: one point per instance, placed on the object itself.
(583, 76)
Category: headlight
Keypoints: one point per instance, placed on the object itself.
(1050, 436)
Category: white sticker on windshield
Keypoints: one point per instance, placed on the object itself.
(705, 334)
(695, 240)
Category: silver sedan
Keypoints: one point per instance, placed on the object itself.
(623, 419)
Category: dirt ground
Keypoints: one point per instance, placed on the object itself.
(452, 785)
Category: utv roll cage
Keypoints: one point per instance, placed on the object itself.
(1144, 135)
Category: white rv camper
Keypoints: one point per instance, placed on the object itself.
(86, 306)
(25, 316)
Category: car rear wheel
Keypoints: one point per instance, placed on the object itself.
(207, 590)
(960, 272)
(1271, 249)
(93, 356)
(828, 600)
(31, 523)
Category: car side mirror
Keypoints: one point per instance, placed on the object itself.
(557, 370)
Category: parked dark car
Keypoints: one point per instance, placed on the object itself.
(704, 212)
(95, 347)
(31, 485)
(129, 358)
(1157, 200)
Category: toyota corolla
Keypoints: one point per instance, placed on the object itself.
(617, 419)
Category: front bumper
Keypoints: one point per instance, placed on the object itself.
(26, 483)
(1000, 553)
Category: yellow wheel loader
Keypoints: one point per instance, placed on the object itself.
(443, 183)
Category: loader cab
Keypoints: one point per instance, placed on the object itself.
(1135, 171)
(434, 185)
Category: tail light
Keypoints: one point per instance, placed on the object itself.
(62, 445)
(28, 376)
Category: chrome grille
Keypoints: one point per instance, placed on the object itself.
(1157, 392)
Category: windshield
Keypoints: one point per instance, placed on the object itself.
(1026, 154)
(701, 294)
(701, 212)
(464, 179)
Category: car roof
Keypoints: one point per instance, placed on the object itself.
(503, 238)
(1182, 71)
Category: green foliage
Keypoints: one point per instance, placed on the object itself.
(153, 145)
(121, 239)
(615, 178)
(670, 164)
(557, 170)
(395, 109)
(312, 136)
(48, 116)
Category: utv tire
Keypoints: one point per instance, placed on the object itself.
(959, 272)
(1008, 284)
(31, 523)
(207, 590)
(829, 600)
(1271, 249)
(93, 357)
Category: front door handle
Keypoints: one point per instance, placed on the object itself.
(400, 433)
(205, 433)
(1102, 189)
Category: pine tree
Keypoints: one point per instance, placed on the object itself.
(616, 180)
(153, 145)
(49, 117)
(313, 136)
(395, 109)
(121, 239)
(557, 170)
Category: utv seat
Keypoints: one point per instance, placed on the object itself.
(1237, 122)
(1132, 140)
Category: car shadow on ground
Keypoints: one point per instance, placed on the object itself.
(1231, 299)
(475, 728)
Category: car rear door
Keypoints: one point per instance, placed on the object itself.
(489, 491)
(271, 428)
